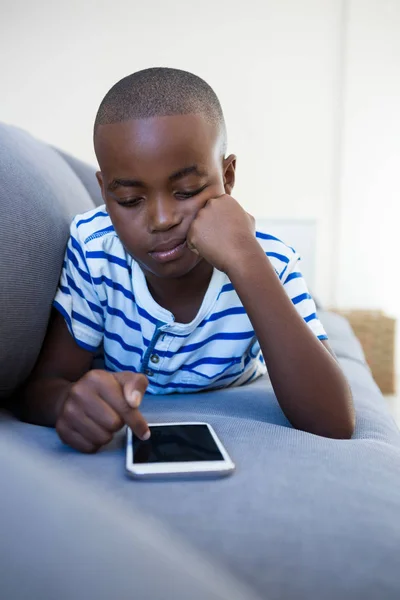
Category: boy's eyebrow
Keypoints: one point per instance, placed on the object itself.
(124, 183)
(193, 169)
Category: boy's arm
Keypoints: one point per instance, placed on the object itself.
(86, 406)
(61, 362)
(308, 382)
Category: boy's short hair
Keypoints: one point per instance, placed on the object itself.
(157, 92)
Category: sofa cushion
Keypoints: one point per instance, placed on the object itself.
(39, 195)
(70, 541)
(303, 517)
(86, 174)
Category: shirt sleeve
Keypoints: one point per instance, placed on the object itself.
(76, 298)
(296, 288)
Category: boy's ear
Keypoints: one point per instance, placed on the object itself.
(229, 168)
(99, 178)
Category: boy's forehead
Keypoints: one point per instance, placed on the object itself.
(169, 139)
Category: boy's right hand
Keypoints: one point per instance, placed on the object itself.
(98, 405)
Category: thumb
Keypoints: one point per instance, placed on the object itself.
(192, 248)
(134, 386)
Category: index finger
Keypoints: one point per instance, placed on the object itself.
(112, 391)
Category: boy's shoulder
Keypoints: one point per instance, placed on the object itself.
(282, 256)
(91, 225)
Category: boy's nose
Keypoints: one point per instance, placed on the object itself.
(163, 214)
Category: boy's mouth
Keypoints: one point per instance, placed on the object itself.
(168, 251)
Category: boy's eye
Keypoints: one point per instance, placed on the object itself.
(186, 195)
(130, 202)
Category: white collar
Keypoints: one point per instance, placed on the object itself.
(146, 300)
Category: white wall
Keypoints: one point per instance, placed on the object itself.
(369, 242)
(273, 64)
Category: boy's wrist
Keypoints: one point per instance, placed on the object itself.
(43, 400)
(62, 396)
(246, 261)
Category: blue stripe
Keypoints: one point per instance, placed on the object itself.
(214, 376)
(64, 313)
(113, 285)
(245, 335)
(75, 262)
(323, 337)
(92, 305)
(76, 289)
(186, 369)
(109, 257)
(300, 298)
(119, 365)
(214, 360)
(98, 214)
(278, 256)
(220, 375)
(310, 318)
(124, 367)
(190, 347)
(209, 360)
(99, 233)
(236, 375)
(85, 321)
(117, 338)
(75, 244)
(67, 318)
(267, 236)
(251, 377)
(64, 289)
(85, 346)
(115, 312)
(292, 276)
(143, 313)
(224, 313)
(198, 387)
(239, 374)
(174, 386)
(228, 287)
(283, 272)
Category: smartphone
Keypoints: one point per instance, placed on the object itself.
(177, 449)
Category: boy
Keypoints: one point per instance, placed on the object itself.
(170, 282)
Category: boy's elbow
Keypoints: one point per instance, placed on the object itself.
(345, 426)
(340, 426)
(340, 430)
(345, 430)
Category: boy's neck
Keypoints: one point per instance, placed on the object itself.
(184, 296)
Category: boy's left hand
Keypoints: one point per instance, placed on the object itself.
(222, 232)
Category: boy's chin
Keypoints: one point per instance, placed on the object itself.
(174, 269)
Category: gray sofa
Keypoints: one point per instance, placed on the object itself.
(303, 517)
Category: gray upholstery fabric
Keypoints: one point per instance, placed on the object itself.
(39, 195)
(58, 541)
(86, 174)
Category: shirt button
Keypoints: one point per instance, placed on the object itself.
(149, 372)
(155, 358)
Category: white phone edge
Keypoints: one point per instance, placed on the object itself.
(213, 468)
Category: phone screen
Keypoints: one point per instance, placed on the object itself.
(176, 443)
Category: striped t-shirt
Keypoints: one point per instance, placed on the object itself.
(107, 306)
